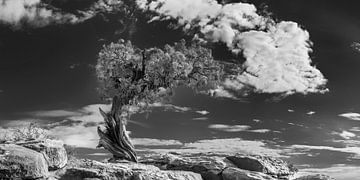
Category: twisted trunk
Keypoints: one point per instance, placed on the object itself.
(115, 138)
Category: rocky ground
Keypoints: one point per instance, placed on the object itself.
(47, 159)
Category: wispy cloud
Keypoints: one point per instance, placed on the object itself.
(345, 134)
(350, 149)
(257, 120)
(260, 130)
(351, 116)
(200, 119)
(79, 127)
(54, 113)
(310, 112)
(337, 171)
(233, 145)
(203, 112)
(355, 129)
(229, 145)
(155, 142)
(229, 128)
(236, 128)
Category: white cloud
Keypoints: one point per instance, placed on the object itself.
(229, 128)
(345, 134)
(355, 129)
(33, 12)
(257, 120)
(221, 93)
(260, 130)
(203, 112)
(200, 119)
(99, 154)
(355, 46)
(78, 135)
(236, 128)
(349, 149)
(310, 112)
(337, 171)
(155, 142)
(230, 145)
(277, 54)
(291, 110)
(82, 134)
(351, 116)
(54, 113)
(233, 145)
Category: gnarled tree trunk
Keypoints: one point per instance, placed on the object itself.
(115, 138)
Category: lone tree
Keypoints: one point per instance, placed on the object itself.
(130, 77)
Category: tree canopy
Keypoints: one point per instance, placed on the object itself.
(132, 77)
(136, 75)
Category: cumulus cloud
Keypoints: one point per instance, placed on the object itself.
(277, 54)
(351, 116)
(35, 13)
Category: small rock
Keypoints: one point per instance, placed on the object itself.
(240, 174)
(17, 162)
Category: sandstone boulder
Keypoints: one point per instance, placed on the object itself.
(209, 165)
(53, 151)
(17, 162)
(264, 164)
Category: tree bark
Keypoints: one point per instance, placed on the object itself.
(115, 138)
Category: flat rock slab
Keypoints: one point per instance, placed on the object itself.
(167, 175)
(17, 162)
(315, 177)
(87, 169)
(240, 174)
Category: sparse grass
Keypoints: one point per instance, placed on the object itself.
(28, 133)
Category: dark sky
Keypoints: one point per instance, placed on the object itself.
(51, 68)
